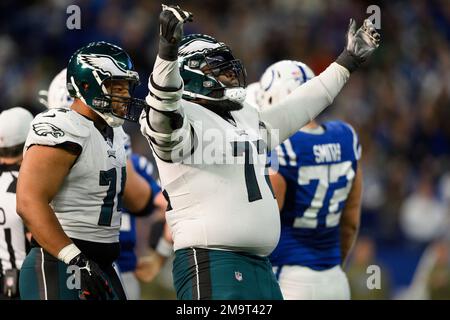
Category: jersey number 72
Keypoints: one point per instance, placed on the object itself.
(326, 176)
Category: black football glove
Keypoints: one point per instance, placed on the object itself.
(171, 21)
(94, 284)
(359, 45)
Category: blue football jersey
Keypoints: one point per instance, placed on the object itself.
(127, 260)
(319, 170)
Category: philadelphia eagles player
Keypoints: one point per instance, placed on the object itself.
(137, 190)
(211, 154)
(69, 191)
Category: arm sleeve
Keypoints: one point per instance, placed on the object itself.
(145, 169)
(303, 104)
(164, 124)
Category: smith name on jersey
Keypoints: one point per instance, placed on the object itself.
(319, 170)
(87, 205)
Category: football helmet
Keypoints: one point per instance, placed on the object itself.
(57, 95)
(202, 61)
(279, 80)
(88, 70)
(250, 96)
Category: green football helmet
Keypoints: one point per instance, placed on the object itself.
(202, 59)
(89, 68)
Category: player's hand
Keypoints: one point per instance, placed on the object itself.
(93, 283)
(359, 45)
(171, 21)
(148, 267)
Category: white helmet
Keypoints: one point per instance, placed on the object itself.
(57, 95)
(14, 126)
(250, 96)
(279, 80)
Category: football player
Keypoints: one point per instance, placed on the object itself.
(148, 194)
(71, 182)
(318, 188)
(211, 154)
(14, 126)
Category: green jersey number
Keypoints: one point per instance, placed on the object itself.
(109, 178)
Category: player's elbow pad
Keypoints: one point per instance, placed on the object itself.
(163, 98)
(165, 137)
(173, 146)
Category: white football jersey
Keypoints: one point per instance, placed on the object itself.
(219, 196)
(89, 201)
(12, 233)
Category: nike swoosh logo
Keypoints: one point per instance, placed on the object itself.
(50, 116)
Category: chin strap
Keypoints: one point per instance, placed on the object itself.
(231, 94)
(235, 94)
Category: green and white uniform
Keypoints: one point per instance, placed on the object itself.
(87, 205)
(225, 203)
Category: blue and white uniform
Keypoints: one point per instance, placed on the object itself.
(319, 169)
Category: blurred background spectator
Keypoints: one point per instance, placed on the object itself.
(432, 276)
(399, 105)
(363, 256)
(423, 217)
(438, 284)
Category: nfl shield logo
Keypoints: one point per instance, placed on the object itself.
(238, 275)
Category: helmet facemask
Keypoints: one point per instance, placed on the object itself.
(221, 81)
(120, 107)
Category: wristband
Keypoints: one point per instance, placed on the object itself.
(164, 247)
(348, 61)
(167, 51)
(68, 253)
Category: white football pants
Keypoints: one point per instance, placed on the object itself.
(302, 283)
(131, 285)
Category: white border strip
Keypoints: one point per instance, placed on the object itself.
(43, 274)
(196, 274)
